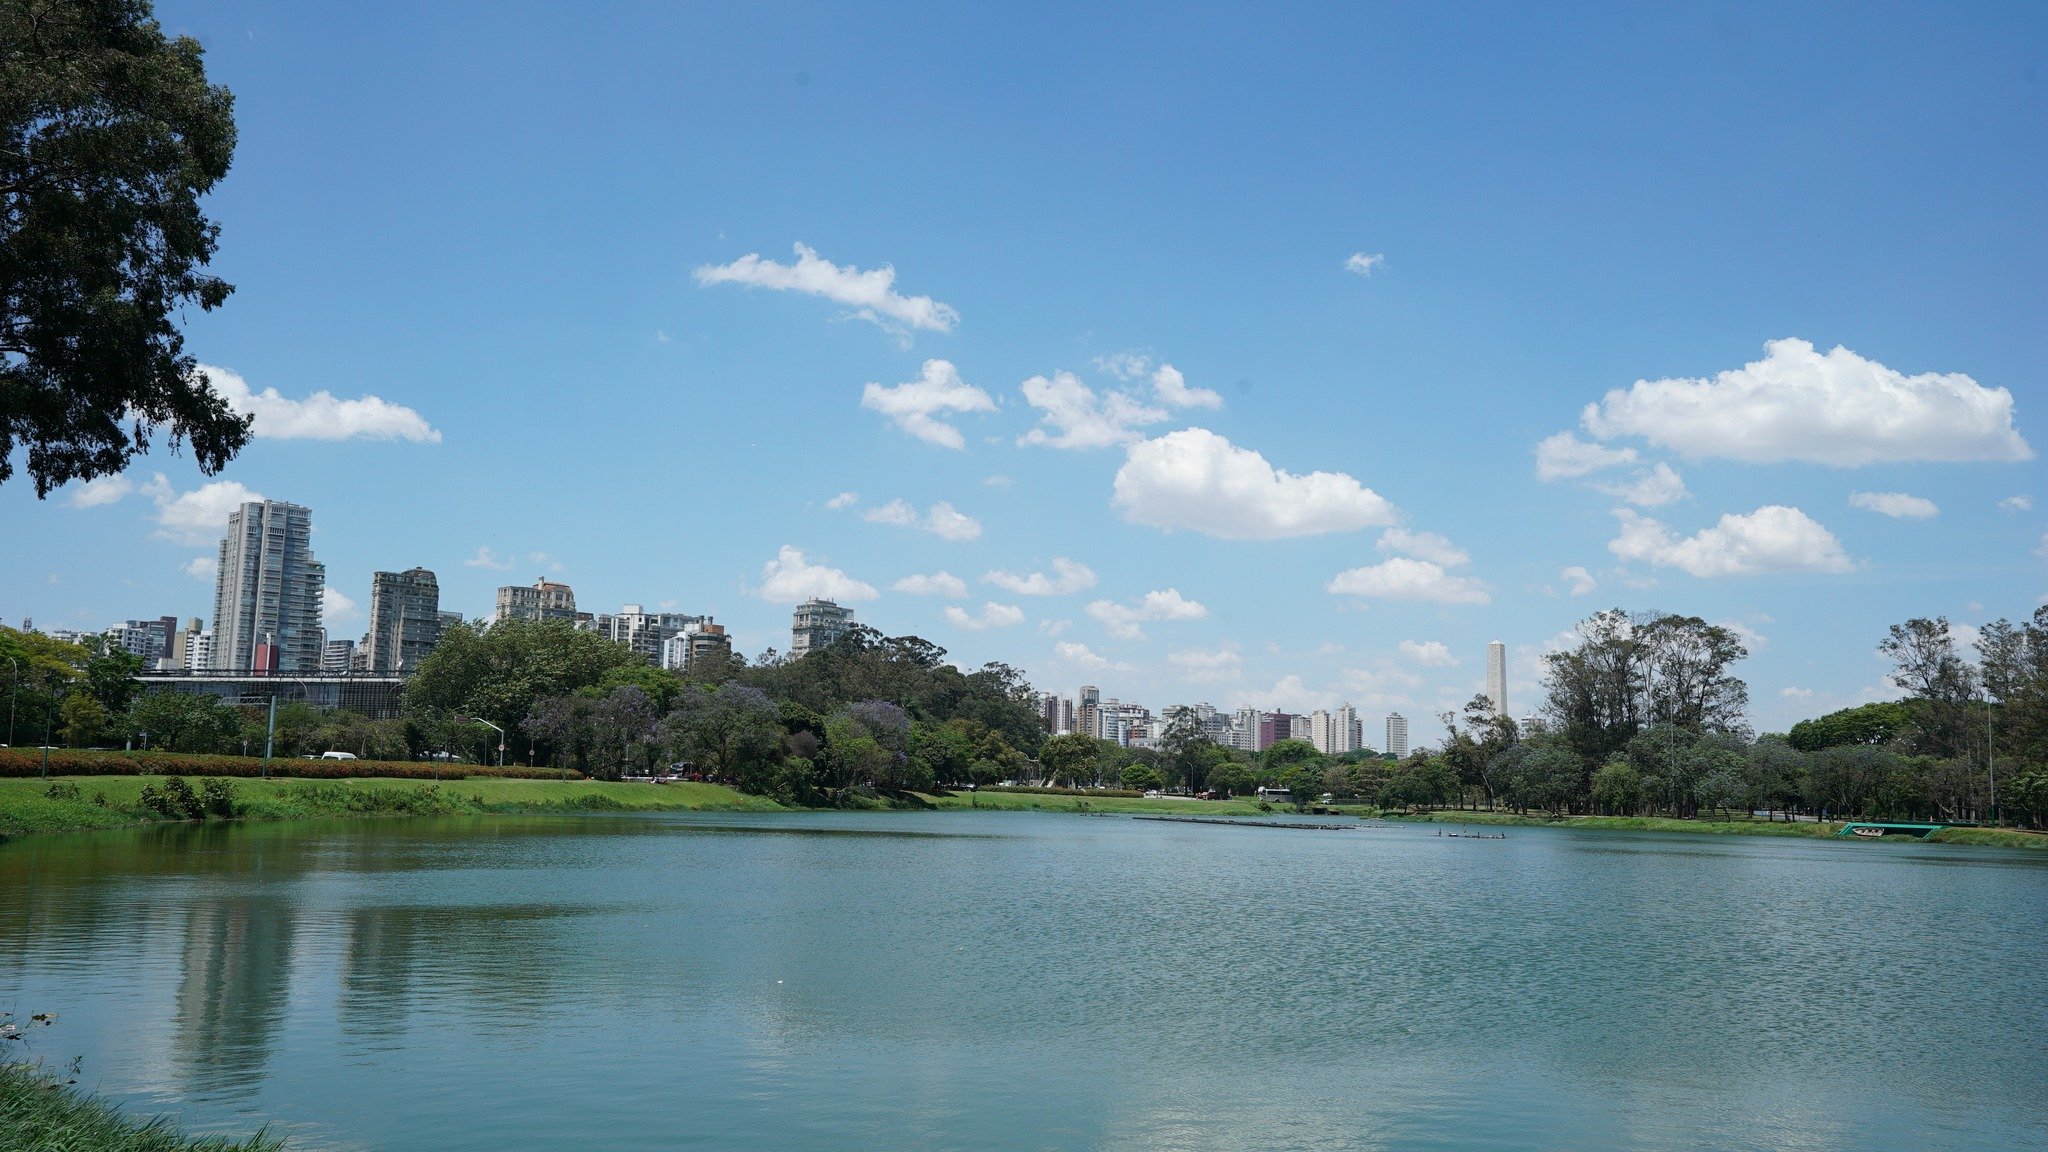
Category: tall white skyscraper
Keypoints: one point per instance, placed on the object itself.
(1397, 734)
(1497, 677)
(266, 602)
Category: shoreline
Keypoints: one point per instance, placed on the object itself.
(26, 809)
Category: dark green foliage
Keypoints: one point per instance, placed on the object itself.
(173, 799)
(41, 1112)
(109, 135)
(1874, 724)
(218, 797)
(61, 790)
(24, 762)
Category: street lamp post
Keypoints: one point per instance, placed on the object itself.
(270, 730)
(494, 728)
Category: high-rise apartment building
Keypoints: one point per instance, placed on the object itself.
(544, 600)
(180, 656)
(1084, 713)
(266, 600)
(148, 639)
(644, 632)
(1497, 677)
(405, 620)
(1335, 733)
(199, 652)
(337, 657)
(695, 644)
(816, 624)
(1397, 735)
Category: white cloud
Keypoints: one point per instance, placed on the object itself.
(792, 579)
(1075, 417)
(1196, 479)
(542, 558)
(1565, 455)
(871, 294)
(2017, 504)
(1897, 505)
(843, 500)
(1651, 488)
(320, 416)
(1080, 655)
(1288, 694)
(1124, 365)
(199, 516)
(1174, 392)
(1773, 538)
(1203, 666)
(336, 607)
(1751, 639)
(1799, 404)
(913, 405)
(1423, 546)
(1795, 693)
(936, 584)
(1429, 653)
(204, 568)
(999, 481)
(1067, 576)
(1404, 579)
(1123, 620)
(1581, 581)
(1053, 627)
(101, 490)
(1363, 263)
(485, 558)
(992, 615)
(941, 519)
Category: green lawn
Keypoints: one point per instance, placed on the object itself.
(26, 806)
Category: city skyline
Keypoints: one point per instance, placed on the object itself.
(1147, 429)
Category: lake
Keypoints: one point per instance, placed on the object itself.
(1035, 981)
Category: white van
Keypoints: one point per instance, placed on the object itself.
(337, 755)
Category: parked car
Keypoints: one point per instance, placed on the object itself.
(337, 755)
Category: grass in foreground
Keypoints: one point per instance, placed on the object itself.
(39, 1113)
(27, 805)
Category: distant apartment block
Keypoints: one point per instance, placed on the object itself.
(180, 656)
(199, 652)
(698, 643)
(266, 601)
(338, 656)
(1397, 735)
(147, 639)
(544, 600)
(816, 624)
(1497, 677)
(1336, 733)
(1090, 702)
(405, 620)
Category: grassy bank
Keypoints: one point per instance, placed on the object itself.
(85, 802)
(1990, 837)
(39, 1113)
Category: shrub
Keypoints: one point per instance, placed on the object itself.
(173, 799)
(62, 791)
(219, 797)
(77, 762)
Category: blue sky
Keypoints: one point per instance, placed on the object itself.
(526, 232)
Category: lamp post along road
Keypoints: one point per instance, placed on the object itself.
(494, 728)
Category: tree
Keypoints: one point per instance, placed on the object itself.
(85, 720)
(1628, 671)
(1618, 789)
(1926, 664)
(1069, 758)
(110, 677)
(621, 732)
(1142, 777)
(1231, 779)
(731, 732)
(1874, 724)
(111, 136)
(505, 672)
(1180, 747)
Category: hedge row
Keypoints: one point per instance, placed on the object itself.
(1056, 791)
(71, 762)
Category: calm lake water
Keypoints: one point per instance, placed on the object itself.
(1033, 981)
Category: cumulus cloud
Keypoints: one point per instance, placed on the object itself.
(1798, 404)
(199, 516)
(941, 519)
(1124, 620)
(992, 615)
(1578, 581)
(843, 500)
(321, 416)
(335, 607)
(1079, 655)
(790, 578)
(1773, 538)
(914, 406)
(1429, 653)
(2017, 504)
(1651, 488)
(1402, 578)
(936, 584)
(485, 558)
(1897, 505)
(100, 490)
(1198, 480)
(1205, 666)
(1795, 693)
(204, 568)
(1053, 627)
(1363, 263)
(1422, 545)
(1174, 392)
(1565, 455)
(1067, 576)
(871, 294)
(1124, 365)
(1074, 416)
